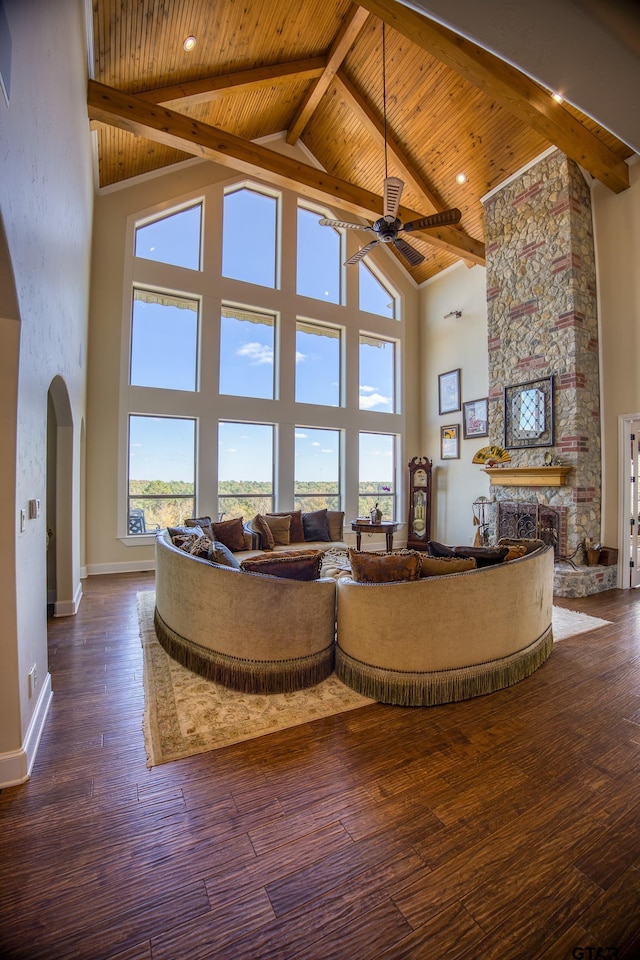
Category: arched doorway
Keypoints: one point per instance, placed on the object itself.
(61, 599)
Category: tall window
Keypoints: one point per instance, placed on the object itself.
(377, 374)
(222, 353)
(319, 267)
(164, 338)
(318, 362)
(245, 469)
(317, 469)
(247, 343)
(162, 457)
(375, 297)
(173, 238)
(377, 473)
(249, 232)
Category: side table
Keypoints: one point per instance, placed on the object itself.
(388, 527)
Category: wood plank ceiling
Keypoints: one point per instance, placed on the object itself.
(312, 69)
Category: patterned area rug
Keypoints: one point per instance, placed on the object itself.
(186, 714)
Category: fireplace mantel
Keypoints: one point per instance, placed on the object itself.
(528, 476)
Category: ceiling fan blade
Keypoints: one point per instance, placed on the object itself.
(442, 219)
(357, 257)
(411, 255)
(393, 187)
(325, 222)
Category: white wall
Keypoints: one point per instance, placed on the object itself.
(617, 235)
(46, 208)
(450, 344)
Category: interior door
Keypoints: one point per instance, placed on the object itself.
(634, 502)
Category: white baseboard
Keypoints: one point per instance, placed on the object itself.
(132, 566)
(16, 765)
(68, 608)
(83, 573)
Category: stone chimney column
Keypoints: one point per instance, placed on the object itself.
(542, 321)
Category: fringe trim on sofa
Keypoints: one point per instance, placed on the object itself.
(248, 676)
(427, 689)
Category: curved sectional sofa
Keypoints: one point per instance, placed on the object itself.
(256, 633)
(445, 638)
(413, 643)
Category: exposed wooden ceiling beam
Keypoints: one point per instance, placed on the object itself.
(345, 38)
(375, 126)
(160, 124)
(522, 96)
(211, 88)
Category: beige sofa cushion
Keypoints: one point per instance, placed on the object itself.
(280, 528)
(296, 530)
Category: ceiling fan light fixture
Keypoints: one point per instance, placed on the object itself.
(189, 43)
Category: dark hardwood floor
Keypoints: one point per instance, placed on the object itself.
(503, 827)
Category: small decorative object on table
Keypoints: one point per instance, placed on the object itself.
(376, 514)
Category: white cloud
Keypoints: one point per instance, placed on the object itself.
(300, 357)
(301, 436)
(365, 389)
(314, 443)
(326, 450)
(257, 353)
(375, 400)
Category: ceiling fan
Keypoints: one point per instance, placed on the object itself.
(388, 226)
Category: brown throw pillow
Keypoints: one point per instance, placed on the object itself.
(296, 530)
(440, 566)
(516, 551)
(289, 565)
(384, 567)
(230, 532)
(335, 519)
(279, 527)
(260, 525)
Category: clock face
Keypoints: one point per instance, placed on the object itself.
(420, 478)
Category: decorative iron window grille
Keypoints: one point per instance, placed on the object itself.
(528, 414)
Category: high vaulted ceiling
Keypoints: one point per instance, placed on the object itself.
(312, 71)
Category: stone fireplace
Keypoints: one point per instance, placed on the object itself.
(542, 322)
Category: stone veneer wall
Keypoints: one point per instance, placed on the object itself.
(541, 300)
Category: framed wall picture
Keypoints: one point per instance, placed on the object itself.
(450, 442)
(449, 391)
(528, 414)
(475, 418)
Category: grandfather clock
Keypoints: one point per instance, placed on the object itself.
(419, 525)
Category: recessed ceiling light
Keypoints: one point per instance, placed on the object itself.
(189, 43)
(461, 178)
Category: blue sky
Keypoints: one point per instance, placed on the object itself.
(165, 336)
